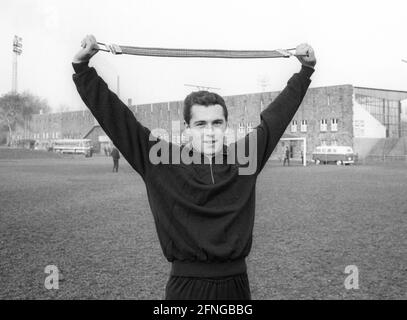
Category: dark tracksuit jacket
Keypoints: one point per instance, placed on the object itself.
(203, 213)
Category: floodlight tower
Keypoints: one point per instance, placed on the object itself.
(17, 50)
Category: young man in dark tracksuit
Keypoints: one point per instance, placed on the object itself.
(204, 209)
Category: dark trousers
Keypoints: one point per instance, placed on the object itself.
(286, 159)
(115, 165)
(218, 288)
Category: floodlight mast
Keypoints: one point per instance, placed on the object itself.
(17, 50)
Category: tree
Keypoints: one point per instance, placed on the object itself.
(16, 109)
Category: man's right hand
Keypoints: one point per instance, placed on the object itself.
(89, 49)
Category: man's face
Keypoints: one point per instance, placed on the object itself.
(207, 128)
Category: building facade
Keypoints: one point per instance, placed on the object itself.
(331, 115)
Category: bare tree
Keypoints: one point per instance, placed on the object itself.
(16, 109)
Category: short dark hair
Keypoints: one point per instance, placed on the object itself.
(204, 98)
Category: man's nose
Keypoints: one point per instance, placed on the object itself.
(209, 130)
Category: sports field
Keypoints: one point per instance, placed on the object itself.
(97, 228)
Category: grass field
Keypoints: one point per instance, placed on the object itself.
(97, 228)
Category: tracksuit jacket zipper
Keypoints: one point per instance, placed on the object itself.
(210, 165)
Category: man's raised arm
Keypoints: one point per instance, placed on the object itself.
(116, 119)
(276, 117)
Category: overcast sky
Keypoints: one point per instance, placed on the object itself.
(356, 42)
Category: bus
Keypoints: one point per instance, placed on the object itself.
(334, 154)
(75, 146)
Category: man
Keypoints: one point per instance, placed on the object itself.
(203, 210)
(115, 156)
(287, 156)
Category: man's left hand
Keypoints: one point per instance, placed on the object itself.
(306, 49)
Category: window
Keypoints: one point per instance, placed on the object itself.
(241, 127)
(334, 124)
(294, 126)
(249, 127)
(323, 125)
(303, 126)
(359, 127)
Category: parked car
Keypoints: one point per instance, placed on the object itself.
(334, 154)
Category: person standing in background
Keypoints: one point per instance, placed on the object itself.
(287, 156)
(116, 156)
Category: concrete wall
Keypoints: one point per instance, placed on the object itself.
(60, 125)
(364, 146)
(365, 125)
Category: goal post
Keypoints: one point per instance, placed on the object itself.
(304, 147)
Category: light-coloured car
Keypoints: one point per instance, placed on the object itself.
(334, 154)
